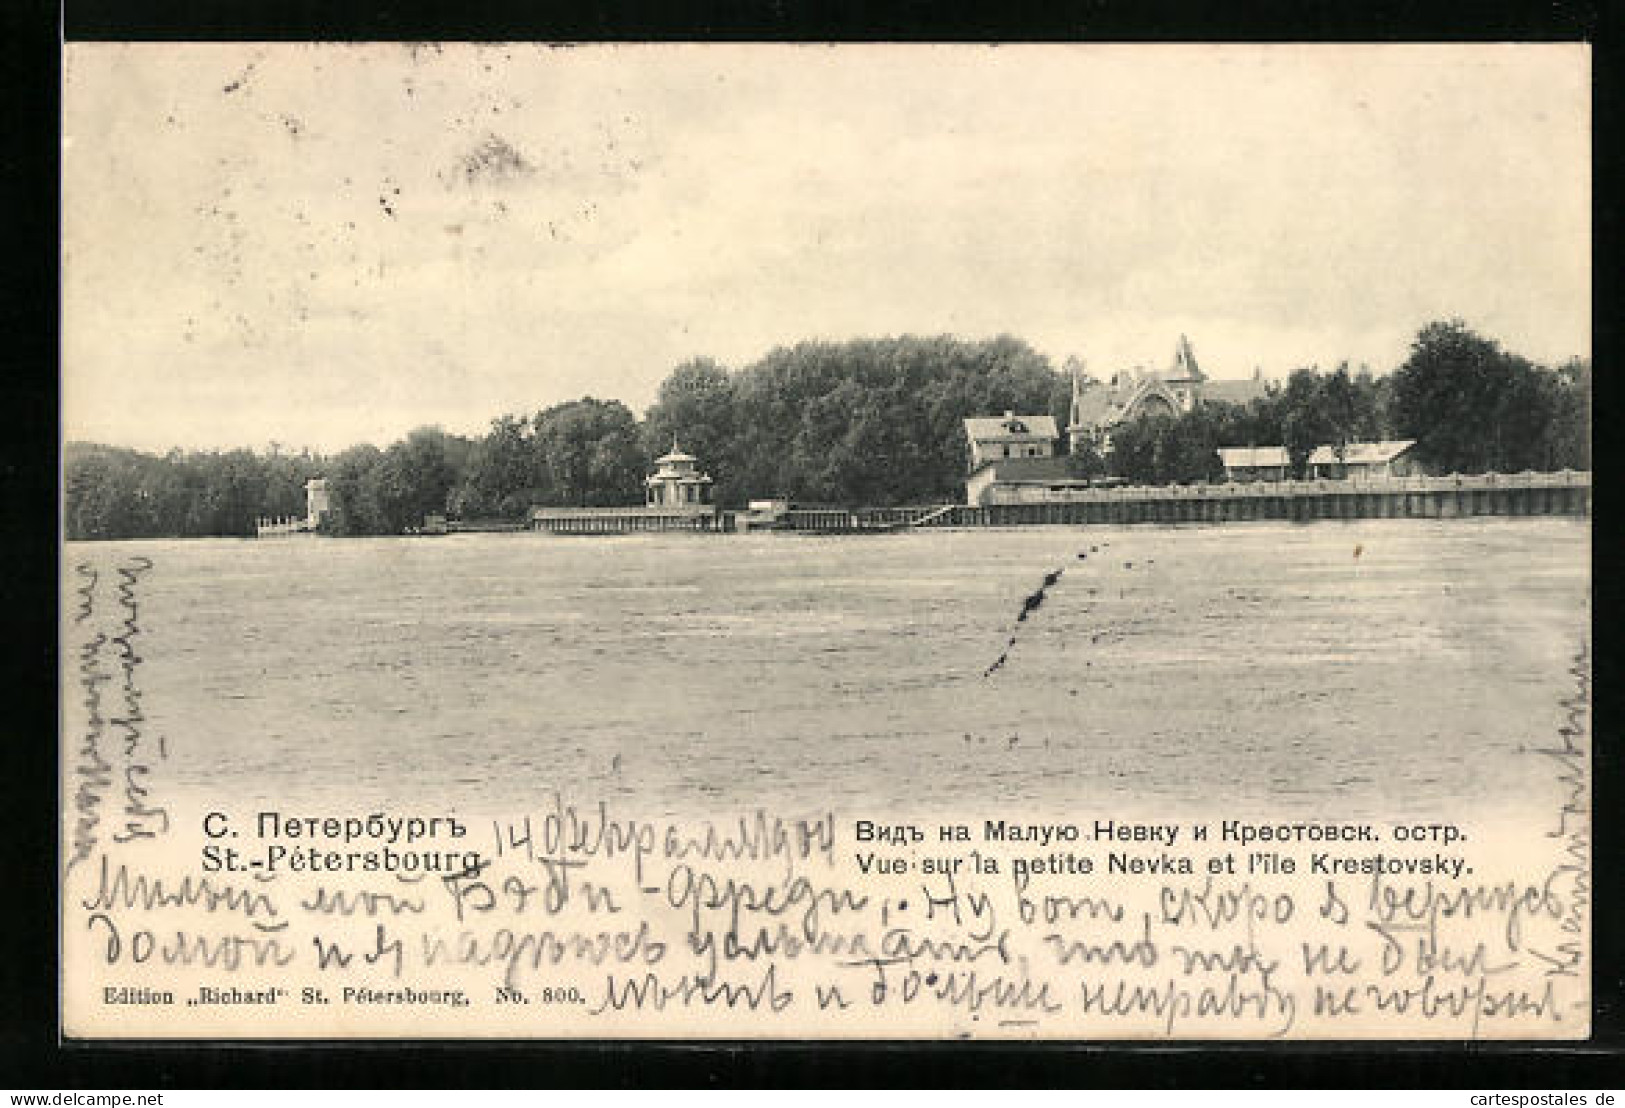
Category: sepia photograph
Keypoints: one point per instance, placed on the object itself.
(826, 542)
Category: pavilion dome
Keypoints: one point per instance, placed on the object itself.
(677, 455)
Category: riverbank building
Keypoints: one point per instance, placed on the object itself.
(1098, 409)
(677, 482)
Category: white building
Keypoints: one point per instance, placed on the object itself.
(1390, 458)
(1024, 481)
(999, 438)
(1356, 460)
(317, 502)
(1097, 410)
(1255, 463)
(677, 482)
(1013, 461)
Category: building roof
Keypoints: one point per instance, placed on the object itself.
(1103, 406)
(1016, 471)
(1010, 428)
(1099, 406)
(1244, 391)
(1362, 453)
(677, 454)
(1253, 457)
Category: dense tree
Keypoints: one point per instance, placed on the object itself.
(875, 421)
(590, 454)
(414, 478)
(351, 491)
(116, 493)
(1305, 421)
(1372, 407)
(1134, 445)
(1473, 407)
(501, 467)
(1164, 449)
(695, 410)
(864, 422)
(1339, 407)
(1569, 437)
(1086, 462)
(99, 496)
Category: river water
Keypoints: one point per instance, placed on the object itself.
(1388, 668)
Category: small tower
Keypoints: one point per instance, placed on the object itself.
(677, 481)
(1076, 432)
(317, 503)
(1185, 367)
(1185, 378)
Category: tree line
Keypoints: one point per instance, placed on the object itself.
(113, 493)
(867, 422)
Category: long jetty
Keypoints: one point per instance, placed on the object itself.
(1566, 493)
(1492, 494)
(267, 527)
(619, 521)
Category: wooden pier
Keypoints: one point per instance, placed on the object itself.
(271, 527)
(1566, 493)
(853, 521)
(626, 521)
(483, 526)
(1492, 494)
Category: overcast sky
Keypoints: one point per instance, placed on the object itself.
(322, 245)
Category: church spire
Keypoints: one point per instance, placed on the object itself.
(1074, 369)
(1185, 361)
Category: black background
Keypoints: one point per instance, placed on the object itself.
(31, 1055)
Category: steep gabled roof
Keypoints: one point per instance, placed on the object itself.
(1185, 367)
(1014, 428)
(1362, 453)
(1098, 406)
(1106, 406)
(1244, 391)
(1147, 386)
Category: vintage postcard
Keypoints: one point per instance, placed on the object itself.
(695, 541)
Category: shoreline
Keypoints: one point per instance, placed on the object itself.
(1192, 525)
